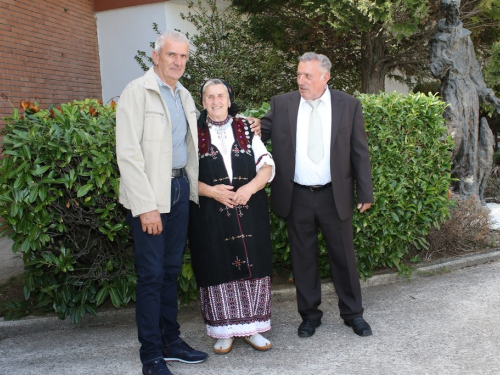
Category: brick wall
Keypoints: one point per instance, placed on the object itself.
(48, 52)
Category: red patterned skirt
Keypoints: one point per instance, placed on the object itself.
(237, 308)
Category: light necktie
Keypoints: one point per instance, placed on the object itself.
(315, 135)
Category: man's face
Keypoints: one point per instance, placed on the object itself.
(216, 102)
(170, 62)
(311, 79)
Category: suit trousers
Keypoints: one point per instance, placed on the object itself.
(311, 210)
(158, 261)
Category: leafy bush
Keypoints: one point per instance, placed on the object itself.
(58, 189)
(496, 157)
(410, 155)
(59, 198)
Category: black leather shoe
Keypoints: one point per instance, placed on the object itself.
(359, 326)
(308, 327)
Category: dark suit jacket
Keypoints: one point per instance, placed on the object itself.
(349, 164)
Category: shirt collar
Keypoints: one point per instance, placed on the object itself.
(178, 86)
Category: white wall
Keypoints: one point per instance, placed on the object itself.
(122, 32)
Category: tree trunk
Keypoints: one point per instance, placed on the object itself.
(372, 69)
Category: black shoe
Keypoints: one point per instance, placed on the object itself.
(158, 367)
(308, 327)
(359, 326)
(181, 352)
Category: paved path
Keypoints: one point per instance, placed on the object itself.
(443, 324)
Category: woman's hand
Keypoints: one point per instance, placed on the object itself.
(243, 194)
(223, 194)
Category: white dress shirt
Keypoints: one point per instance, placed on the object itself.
(306, 171)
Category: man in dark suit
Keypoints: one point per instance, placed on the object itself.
(321, 155)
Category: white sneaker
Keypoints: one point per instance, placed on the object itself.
(223, 346)
(258, 342)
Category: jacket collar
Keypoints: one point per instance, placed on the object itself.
(151, 82)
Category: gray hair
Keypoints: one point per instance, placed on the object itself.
(210, 82)
(324, 62)
(171, 35)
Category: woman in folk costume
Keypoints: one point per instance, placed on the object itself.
(229, 229)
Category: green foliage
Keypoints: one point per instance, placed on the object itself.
(58, 196)
(258, 112)
(225, 48)
(14, 309)
(142, 58)
(188, 289)
(411, 160)
(366, 38)
(492, 78)
(410, 155)
(59, 188)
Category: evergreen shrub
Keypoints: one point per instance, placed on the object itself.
(59, 188)
(410, 154)
(58, 196)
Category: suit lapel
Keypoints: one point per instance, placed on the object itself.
(337, 110)
(293, 111)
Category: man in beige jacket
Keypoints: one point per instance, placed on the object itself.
(156, 147)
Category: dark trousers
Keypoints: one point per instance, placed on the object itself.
(158, 261)
(311, 210)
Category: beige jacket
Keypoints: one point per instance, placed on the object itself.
(144, 146)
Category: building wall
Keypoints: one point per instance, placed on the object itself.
(124, 31)
(48, 52)
(101, 5)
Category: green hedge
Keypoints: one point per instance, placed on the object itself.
(58, 195)
(410, 153)
(59, 187)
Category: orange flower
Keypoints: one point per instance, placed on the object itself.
(34, 108)
(24, 104)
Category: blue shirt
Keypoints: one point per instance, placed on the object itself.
(179, 123)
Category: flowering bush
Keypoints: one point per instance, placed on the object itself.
(58, 196)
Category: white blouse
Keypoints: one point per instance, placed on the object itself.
(223, 138)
